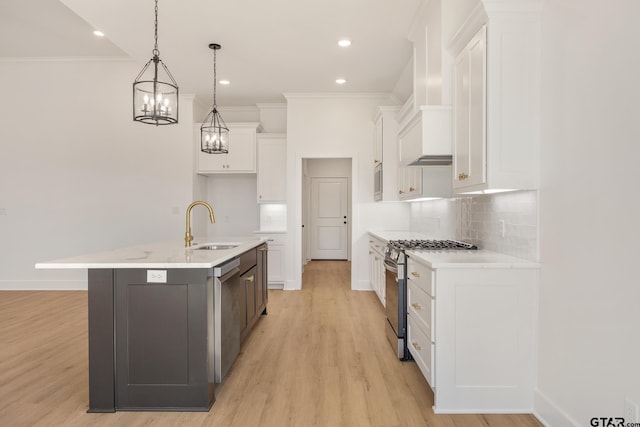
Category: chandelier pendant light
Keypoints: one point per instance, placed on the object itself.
(155, 91)
(214, 133)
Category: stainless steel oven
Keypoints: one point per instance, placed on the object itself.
(396, 301)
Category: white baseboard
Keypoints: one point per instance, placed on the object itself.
(43, 285)
(292, 285)
(549, 414)
(361, 285)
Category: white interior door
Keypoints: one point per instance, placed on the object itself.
(329, 218)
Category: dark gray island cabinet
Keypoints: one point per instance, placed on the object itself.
(153, 337)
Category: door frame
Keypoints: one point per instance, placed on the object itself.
(352, 188)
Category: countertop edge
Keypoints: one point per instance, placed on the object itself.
(217, 257)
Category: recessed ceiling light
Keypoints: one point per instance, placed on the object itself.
(344, 43)
(224, 82)
(341, 81)
(98, 33)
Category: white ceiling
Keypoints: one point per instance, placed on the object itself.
(269, 47)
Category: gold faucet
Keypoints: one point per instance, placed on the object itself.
(187, 236)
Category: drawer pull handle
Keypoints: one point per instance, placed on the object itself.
(411, 189)
(416, 346)
(370, 252)
(462, 176)
(415, 274)
(417, 306)
(250, 278)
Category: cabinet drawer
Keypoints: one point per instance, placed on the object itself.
(248, 260)
(422, 350)
(422, 276)
(377, 245)
(422, 307)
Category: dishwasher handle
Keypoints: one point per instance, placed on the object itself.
(223, 269)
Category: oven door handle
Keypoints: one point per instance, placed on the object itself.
(391, 267)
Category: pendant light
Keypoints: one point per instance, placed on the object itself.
(214, 133)
(155, 101)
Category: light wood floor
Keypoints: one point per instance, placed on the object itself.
(320, 358)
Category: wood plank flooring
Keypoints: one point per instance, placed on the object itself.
(319, 358)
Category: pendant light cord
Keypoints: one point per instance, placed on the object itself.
(156, 52)
(215, 78)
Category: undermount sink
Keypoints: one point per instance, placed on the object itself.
(217, 246)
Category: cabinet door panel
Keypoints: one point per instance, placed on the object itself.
(272, 170)
(477, 109)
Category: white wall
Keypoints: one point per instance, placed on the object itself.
(339, 127)
(590, 288)
(77, 175)
(234, 201)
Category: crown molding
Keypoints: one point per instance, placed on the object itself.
(67, 59)
(336, 95)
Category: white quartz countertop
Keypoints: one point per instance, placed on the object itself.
(168, 254)
(469, 259)
(480, 258)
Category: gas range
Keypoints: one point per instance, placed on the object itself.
(396, 285)
(431, 245)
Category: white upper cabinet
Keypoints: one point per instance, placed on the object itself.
(242, 151)
(272, 168)
(470, 100)
(429, 182)
(385, 161)
(496, 96)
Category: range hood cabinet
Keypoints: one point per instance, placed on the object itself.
(425, 139)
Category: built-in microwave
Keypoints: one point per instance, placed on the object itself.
(377, 182)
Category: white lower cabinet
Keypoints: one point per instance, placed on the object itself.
(275, 260)
(376, 267)
(472, 333)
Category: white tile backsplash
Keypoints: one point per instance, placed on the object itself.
(273, 217)
(478, 220)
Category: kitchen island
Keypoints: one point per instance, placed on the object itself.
(166, 322)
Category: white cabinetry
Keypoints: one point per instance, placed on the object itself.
(272, 168)
(415, 182)
(242, 151)
(472, 332)
(376, 267)
(386, 151)
(497, 98)
(427, 133)
(420, 318)
(275, 260)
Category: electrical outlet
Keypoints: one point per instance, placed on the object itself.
(156, 276)
(631, 411)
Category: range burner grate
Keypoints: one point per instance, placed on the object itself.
(432, 245)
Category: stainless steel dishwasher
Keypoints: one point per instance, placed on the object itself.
(226, 320)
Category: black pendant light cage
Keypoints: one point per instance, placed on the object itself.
(214, 133)
(155, 91)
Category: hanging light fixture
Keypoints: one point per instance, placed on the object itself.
(214, 133)
(155, 101)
